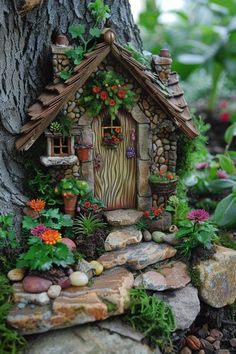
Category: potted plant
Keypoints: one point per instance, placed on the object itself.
(82, 151)
(71, 188)
(112, 138)
(163, 184)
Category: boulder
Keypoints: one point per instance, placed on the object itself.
(122, 237)
(106, 296)
(184, 303)
(69, 243)
(162, 224)
(170, 276)
(138, 256)
(85, 267)
(123, 217)
(218, 278)
(35, 284)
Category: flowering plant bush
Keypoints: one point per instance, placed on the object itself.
(163, 177)
(112, 138)
(197, 231)
(153, 213)
(107, 90)
(90, 204)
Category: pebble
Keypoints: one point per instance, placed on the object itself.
(69, 243)
(215, 333)
(210, 339)
(157, 236)
(54, 291)
(216, 344)
(206, 345)
(64, 282)
(16, 274)
(79, 279)
(186, 350)
(147, 236)
(35, 284)
(233, 342)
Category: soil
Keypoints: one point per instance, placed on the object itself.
(92, 246)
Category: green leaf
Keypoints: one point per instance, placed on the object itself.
(95, 32)
(99, 11)
(76, 30)
(230, 133)
(225, 212)
(191, 59)
(204, 237)
(226, 163)
(29, 222)
(65, 74)
(220, 184)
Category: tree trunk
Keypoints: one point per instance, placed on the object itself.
(25, 68)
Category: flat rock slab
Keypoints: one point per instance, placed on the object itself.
(171, 276)
(218, 278)
(138, 256)
(123, 217)
(86, 339)
(184, 303)
(122, 237)
(107, 297)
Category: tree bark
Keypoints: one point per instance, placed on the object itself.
(25, 68)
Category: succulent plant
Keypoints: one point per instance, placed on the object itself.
(55, 127)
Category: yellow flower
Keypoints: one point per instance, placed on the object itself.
(50, 236)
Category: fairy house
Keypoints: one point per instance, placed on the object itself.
(146, 134)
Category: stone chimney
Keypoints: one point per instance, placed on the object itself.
(162, 65)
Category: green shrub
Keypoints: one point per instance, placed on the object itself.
(87, 224)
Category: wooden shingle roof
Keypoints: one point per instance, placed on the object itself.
(51, 101)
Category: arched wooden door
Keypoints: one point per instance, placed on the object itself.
(115, 178)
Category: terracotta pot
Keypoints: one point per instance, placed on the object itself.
(83, 154)
(61, 39)
(70, 204)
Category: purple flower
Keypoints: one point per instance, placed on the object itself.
(78, 209)
(38, 230)
(221, 174)
(198, 215)
(202, 165)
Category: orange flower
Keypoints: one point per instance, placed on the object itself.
(112, 103)
(96, 89)
(157, 212)
(169, 176)
(37, 204)
(117, 130)
(50, 236)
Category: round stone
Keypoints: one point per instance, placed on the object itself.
(78, 279)
(16, 274)
(69, 243)
(162, 160)
(160, 151)
(54, 291)
(35, 284)
(163, 168)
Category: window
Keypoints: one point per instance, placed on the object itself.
(61, 146)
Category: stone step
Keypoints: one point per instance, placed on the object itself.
(106, 297)
(122, 237)
(123, 217)
(171, 276)
(138, 256)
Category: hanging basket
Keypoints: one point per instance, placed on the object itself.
(70, 204)
(163, 188)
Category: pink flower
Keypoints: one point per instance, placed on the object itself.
(221, 174)
(38, 230)
(198, 215)
(202, 165)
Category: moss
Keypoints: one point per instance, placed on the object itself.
(111, 307)
(226, 241)
(151, 316)
(195, 276)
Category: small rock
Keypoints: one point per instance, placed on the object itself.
(215, 333)
(21, 305)
(54, 291)
(222, 351)
(122, 237)
(147, 236)
(193, 342)
(216, 344)
(79, 279)
(16, 274)
(201, 351)
(85, 267)
(69, 243)
(35, 284)
(152, 281)
(171, 239)
(157, 236)
(186, 350)
(232, 342)
(210, 339)
(97, 267)
(206, 345)
(64, 282)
